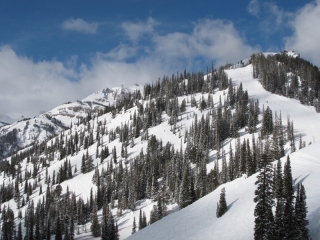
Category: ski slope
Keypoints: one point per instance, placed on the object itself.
(198, 221)
(305, 119)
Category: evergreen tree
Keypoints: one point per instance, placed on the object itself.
(186, 195)
(301, 213)
(289, 220)
(58, 231)
(95, 226)
(267, 123)
(278, 193)
(8, 224)
(263, 229)
(134, 226)
(19, 235)
(222, 204)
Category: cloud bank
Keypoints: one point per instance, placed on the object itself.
(79, 25)
(29, 86)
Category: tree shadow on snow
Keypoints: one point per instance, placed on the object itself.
(231, 204)
(314, 223)
(299, 182)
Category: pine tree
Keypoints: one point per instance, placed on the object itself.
(289, 220)
(19, 235)
(134, 226)
(95, 226)
(58, 232)
(263, 228)
(8, 224)
(278, 193)
(222, 205)
(301, 213)
(186, 192)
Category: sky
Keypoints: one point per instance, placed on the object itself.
(52, 52)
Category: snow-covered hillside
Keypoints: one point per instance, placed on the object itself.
(196, 221)
(45, 126)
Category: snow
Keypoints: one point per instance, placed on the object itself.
(110, 96)
(197, 221)
(292, 53)
(305, 119)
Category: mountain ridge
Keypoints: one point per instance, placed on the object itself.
(164, 133)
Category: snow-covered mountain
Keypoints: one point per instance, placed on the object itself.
(29, 131)
(154, 133)
(199, 221)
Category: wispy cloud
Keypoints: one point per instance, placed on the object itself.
(272, 19)
(79, 25)
(306, 35)
(135, 30)
(254, 7)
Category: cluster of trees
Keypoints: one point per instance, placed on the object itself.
(289, 220)
(61, 215)
(288, 76)
(163, 172)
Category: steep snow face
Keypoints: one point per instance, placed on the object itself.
(198, 221)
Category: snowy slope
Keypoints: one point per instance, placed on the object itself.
(305, 119)
(49, 124)
(198, 221)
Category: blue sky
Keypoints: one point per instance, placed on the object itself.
(56, 51)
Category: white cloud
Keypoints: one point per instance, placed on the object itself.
(79, 25)
(254, 8)
(121, 53)
(136, 30)
(28, 87)
(216, 40)
(306, 33)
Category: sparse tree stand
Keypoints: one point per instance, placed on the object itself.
(222, 204)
